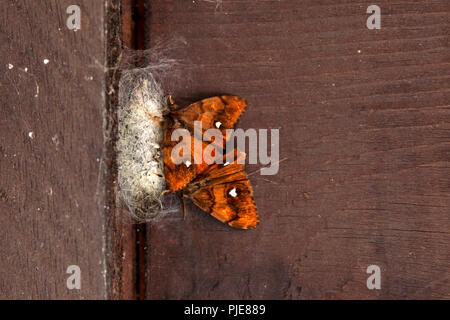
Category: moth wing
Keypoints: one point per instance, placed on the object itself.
(226, 193)
(221, 112)
(215, 112)
(179, 175)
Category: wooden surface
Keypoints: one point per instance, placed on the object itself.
(121, 243)
(364, 120)
(51, 215)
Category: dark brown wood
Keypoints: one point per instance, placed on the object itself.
(51, 208)
(364, 122)
(125, 237)
(141, 229)
(134, 239)
(120, 227)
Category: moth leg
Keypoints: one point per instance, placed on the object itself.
(156, 119)
(157, 174)
(166, 191)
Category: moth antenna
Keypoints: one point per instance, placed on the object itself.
(265, 167)
(170, 100)
(171, 103)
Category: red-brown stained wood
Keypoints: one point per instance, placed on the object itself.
(364, 120)
(51, 139)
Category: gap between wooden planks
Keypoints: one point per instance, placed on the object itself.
(125, 239)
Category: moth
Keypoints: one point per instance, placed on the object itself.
(222, 190)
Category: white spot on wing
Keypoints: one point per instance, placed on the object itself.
(46, 61)
(218, 124)
(188, 163)
(233, 193)
(226, 163)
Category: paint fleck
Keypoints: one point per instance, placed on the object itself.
(10, 66)
(46, 61)
(31, 134)
(55, 140)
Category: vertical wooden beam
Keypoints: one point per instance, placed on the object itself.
(120, 229)
(141, 230)
(126, 239)
(52, 85)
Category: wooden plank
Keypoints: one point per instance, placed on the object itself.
(51, 215)
(364, 120)
(125, 237)
(120, 228)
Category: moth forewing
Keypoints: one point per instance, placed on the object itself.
(223, 190)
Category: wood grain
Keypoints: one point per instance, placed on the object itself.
(51, 214)
(120, 229)
(364, 121)
(363, 118)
